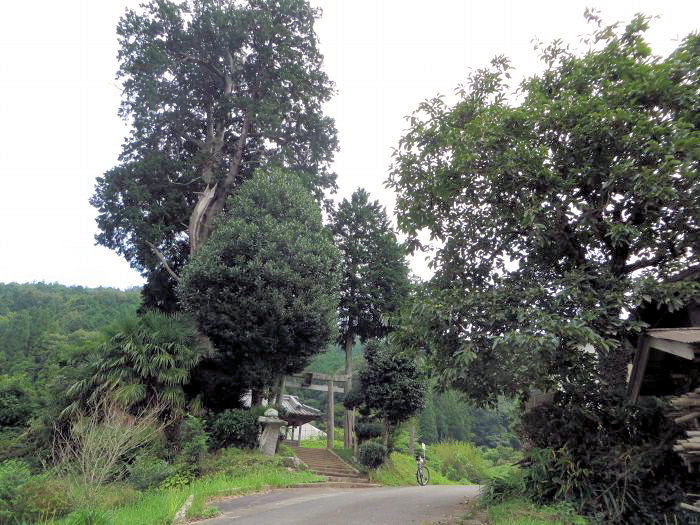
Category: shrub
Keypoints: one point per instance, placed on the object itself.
(14, 474)
(193, 441)
(368, 429)
(461, 461)
(45, 497)
(611, 458)
(372, 454)
(500, 488)
(147, 471)
(101, 444)
(177, 480)
(237, 428)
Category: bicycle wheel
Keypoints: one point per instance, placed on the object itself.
(423, 477)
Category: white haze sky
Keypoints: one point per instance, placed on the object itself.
(58, 102)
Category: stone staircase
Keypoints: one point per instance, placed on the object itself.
(324, 462)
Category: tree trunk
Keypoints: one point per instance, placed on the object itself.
(412, 439)
(349, 422)
(212, 201)
(385, 432)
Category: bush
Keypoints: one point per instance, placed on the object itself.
(235, 428)
(368, 429)
(14, 475)
(460, 461)
(147, 471)
(177, 480)
(372, 454)
(501, 488)
(193, 441)
(44, 497)
(611, 458)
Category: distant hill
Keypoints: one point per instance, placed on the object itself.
(37, 319)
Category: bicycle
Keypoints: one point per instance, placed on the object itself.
(422, 473)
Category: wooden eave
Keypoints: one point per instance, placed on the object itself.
(683, 343)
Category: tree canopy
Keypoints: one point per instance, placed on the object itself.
(557, 211)
(392, 387)
(213, 90)
(374, 271)
(264, 288)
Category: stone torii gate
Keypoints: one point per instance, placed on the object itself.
(306, 380)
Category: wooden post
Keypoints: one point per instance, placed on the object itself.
(331, 416)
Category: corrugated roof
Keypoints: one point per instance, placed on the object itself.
(681, 335)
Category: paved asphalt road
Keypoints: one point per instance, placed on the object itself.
(324, 506)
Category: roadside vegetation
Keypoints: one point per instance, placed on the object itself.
(140, 499)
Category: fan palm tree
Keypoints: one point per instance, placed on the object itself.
(144, 361)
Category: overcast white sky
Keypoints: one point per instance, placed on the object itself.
(58, 102)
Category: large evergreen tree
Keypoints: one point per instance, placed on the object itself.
(264, 288)
(374, 275)
(213, 90)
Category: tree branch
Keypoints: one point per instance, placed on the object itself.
(162, 259)
(644, 263)
(206, 63)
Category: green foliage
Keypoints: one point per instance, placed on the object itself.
(148, 471)
(522, 512)
(193, 441)
(391, 386)
(13, 476)
(264, 287)
(89, 517)
(17, 402)
(400, 470)
(145, 361)
(365, 430)
(459, 461)
(556, 212)
(177, 481)
(372, 454)
(213, 90)
(498, 489)
(612, 459)
(374, 271)
(238, 428)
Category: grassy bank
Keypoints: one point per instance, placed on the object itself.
(235, 472)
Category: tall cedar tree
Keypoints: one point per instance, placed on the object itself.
(264, 288)
(213, 90)
(375, 274)
(557, 215)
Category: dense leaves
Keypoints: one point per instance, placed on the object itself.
(375, 274)
(556, 211)
(612, 459)
(145, 361)
(264, 288)
(392, 387)
(212, 90)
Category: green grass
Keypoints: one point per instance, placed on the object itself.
(241, 472)
(522, 512)
(400, 469)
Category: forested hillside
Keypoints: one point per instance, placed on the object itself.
(39, 320)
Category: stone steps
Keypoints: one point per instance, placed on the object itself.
(325, 463)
